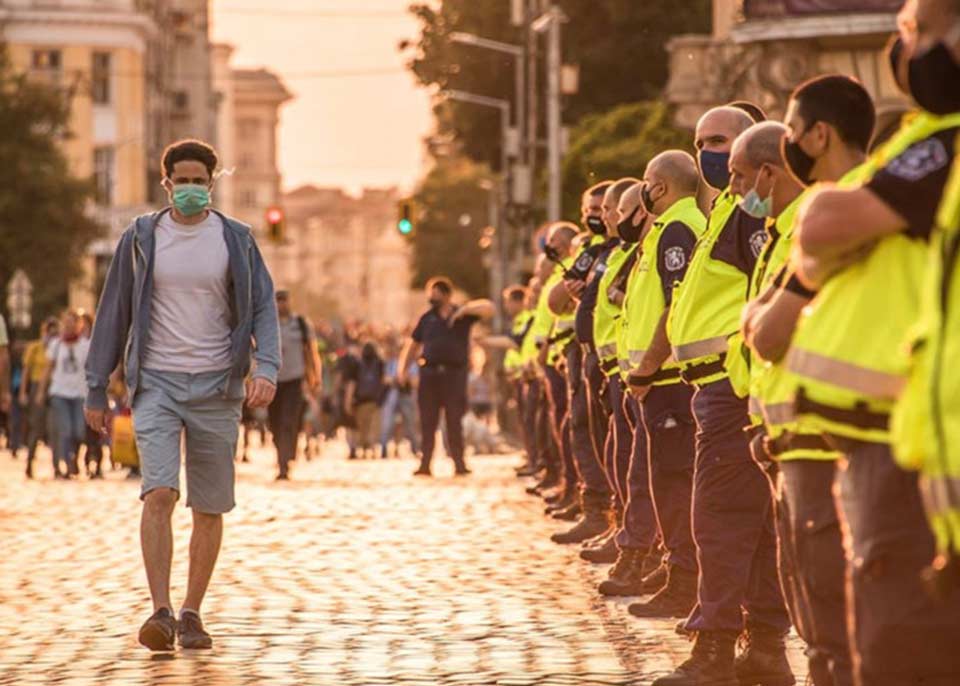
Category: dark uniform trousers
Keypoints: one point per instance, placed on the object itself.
(599, 416)
(532, 394)
(639, 529)
(526, 435)
(732, 521)
(586, 458)
(442, 388)
(812, 566)
(560, 422)
(900, 635)
(547, 452)
(619, 444)
(668, 431)
(285, 414)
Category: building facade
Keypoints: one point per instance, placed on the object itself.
(343, 258)
(760, 50)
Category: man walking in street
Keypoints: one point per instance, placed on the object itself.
(186, 297)
(441, 341)
(299, 374)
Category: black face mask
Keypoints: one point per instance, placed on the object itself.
(646, 199)
(894, 55)
(551, 253)
(934, 80)
(435, 302)
(628, 232)
(799, 163)
(596, 225)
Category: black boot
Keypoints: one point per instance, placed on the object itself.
(676, 599)
(710, 664)
(655, 580)
(604, 554)
(566, 500)
(625, 576)
(571, 513)
(763, 661)
(592, 523)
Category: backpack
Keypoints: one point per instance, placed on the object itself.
(369, 381)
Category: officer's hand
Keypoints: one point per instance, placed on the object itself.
(575, 287)
(96, 419)
(615, 295)
(638, 392)
(260, 392)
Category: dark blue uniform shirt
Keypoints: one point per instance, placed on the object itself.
(444, 344)
(583, 322)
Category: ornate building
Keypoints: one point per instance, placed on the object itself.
(761, 49)
(343, 257)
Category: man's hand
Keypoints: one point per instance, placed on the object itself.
(96, 419)
(260, 392)
(615, 295)
(5, 401)
(638, 392)
(575, 287)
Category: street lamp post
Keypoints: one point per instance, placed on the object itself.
(550, 23)
(499, 275)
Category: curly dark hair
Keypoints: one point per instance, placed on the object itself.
(189, 149)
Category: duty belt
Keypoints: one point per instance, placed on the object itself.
(562, 336)
(859, 416)
(694, 373)
(788, 441)
(609, 365)
(659, 375)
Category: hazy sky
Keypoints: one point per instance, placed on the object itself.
(358, 118)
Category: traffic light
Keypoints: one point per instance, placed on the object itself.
(275, 224)
(406, 215)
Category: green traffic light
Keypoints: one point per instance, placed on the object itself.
(405, 226)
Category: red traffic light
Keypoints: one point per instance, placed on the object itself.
(274, 215)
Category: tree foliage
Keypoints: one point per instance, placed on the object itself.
(453, 212)
(43, 226)
(620, 46)
(617, 144)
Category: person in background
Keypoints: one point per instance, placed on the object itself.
(5, 396)
(93, 441)
(367, 396)
(35, 365)
(299, 375)
(65, 386)
(398, 400)
(442, 339)
(344, 387)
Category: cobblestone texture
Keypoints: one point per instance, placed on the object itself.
(354, 573)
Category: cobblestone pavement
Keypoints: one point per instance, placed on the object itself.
(353, 573)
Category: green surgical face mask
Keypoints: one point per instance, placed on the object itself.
(191, 198)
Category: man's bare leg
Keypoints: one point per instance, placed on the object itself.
(204, 548)
(156, 543)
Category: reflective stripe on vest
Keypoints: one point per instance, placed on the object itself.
(608, 350)
(710, 346)
(859, 379)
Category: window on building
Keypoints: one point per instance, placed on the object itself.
(103, 174)
(100, 78)
(181, 100)
(248, 198)
(47, 63)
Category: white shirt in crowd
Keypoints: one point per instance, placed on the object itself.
(68, 379)
(190, 309)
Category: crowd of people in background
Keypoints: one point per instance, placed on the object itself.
(339, 385)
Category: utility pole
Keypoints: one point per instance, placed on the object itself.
(550, 23)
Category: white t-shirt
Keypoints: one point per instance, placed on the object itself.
(190, 309)
(68, 379)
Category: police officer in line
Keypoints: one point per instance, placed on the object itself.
(597, 494)
(830, 120)
(575, 294)
(547, 461)
(441, 344)
(864, 250)
(663, 457)
(732, 518)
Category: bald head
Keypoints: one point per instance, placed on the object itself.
(719, 126)
(760, 144)
(675, 168)
(560, 237)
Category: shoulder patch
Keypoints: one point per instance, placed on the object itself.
(583, 262)
(919, 160)
(757, 240)
(674, 258)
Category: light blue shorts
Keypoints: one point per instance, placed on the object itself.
(200, 412)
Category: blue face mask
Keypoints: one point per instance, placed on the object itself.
(715, 167)
(191, 199)
(756, 206)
